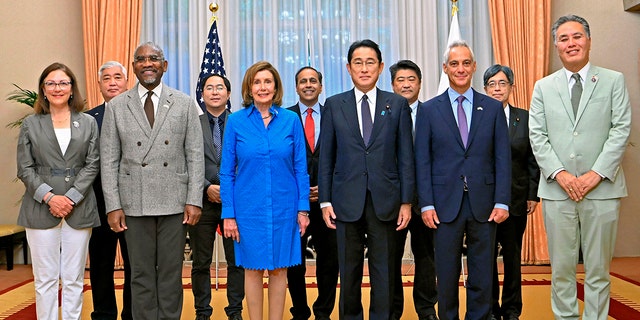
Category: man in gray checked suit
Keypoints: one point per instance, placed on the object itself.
(152, 167)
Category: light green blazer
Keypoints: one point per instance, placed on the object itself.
(595, 139)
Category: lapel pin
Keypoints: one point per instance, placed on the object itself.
(76, 124)
(479, 109)
(382, 113)
(166, 106)
(594, 79)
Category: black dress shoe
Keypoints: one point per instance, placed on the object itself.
(430, 317)
(512, 317)
(494, 317)
(202, 317)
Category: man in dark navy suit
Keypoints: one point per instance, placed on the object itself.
(463, 172)
(406, 79)
(112, 78)
(525, 174)
(366, 180)
(309, 87)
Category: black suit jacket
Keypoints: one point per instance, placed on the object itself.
(211, 164)
(348, 168)
(312, 157)
(98, 114)
(525, 172)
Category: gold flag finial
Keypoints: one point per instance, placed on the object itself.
(454, 7)
(214, 7)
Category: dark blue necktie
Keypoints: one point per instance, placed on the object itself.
(367, 123)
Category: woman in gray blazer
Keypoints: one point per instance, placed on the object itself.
(58, 159)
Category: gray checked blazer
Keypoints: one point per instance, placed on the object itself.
(42, 168)
(151, 172)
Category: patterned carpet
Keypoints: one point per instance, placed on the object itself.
(17, 300)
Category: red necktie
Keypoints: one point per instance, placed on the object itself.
(310, 129)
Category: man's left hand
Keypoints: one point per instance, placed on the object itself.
(589, 181)
(498, 215)
(191, 214)
(404, 216)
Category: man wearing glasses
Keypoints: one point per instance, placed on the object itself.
(152, 168)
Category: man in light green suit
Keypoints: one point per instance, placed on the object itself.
(579, 124)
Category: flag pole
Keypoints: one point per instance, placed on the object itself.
(214, 7)
(454, 34)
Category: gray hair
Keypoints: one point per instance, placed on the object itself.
(111, 64)
(153, 46)
(568, 18)
(454, 44)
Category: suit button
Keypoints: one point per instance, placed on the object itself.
(466, 156)
(575, 134)
(364, 173)
(366, 152)
(144, 164)
(139, 143)
(571, 156)
(165, 164)
(166, 142)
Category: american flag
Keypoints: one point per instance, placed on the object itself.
(212, 62)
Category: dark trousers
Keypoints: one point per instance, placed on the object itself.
(480, 248)
(425, 294)
(102, 254)
(381, 245)
(509, 234)
(202, 237)
(324, 242)
(298, 286)
(156, 253)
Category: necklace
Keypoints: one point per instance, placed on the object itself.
(63, 120)
(267, 116)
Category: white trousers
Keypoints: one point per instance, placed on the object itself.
(58, 253)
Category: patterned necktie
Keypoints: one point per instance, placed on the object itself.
(462, 122)
(310, 129)
(217, 137)
(576, 93)
(148, 108)
(367, 123)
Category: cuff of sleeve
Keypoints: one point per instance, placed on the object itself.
(325, 204)
(425, 208)
(303, 205)
(41, 191)
(501, 206)
(74, 195)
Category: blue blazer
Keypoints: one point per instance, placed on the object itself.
(442, 162)
(348, 168)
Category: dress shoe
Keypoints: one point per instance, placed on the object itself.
(512, 317)
(494, 317)
(430, 317)
(322, 318)
(202, 317)
(236, 316)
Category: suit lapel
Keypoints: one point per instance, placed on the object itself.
(350, 113)
(298, 110)
(164, 104)
(136, 109)
(562, 87)
(589, 85)
(47, 128)
(207, 136)
(383, 107)
(513, 121)
(477, 112)
(444, 107)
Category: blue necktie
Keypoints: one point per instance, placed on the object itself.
(367, 123)
(462, 122)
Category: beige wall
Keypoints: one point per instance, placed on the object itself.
(36, 33)
(33, 34)
(615, 45)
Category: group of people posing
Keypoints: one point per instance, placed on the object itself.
(357, 174)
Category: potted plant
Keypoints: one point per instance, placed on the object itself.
(23, 96)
